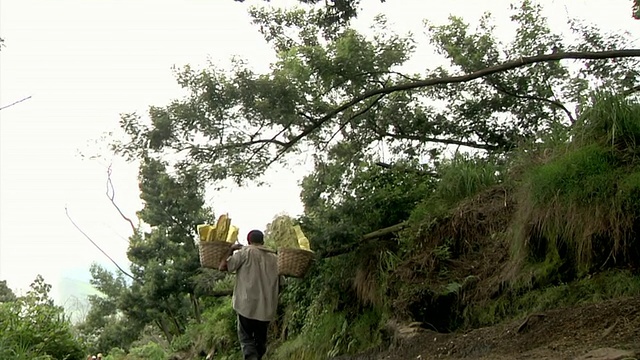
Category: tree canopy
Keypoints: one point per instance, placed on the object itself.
(342, 96)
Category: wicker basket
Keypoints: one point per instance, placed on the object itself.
(212, 253)
(294, 262)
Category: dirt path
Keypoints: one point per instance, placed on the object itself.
(558, 334)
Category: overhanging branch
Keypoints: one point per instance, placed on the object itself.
(555, 103)
(510, 65)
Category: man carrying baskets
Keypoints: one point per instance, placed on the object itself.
(255, 295)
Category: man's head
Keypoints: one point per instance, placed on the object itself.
(255, 237)
(99, 356)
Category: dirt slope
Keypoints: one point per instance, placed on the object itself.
(558, 334)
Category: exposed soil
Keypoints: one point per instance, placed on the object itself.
(476, 259)
(557, 334)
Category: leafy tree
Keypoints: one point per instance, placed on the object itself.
(236, 123)
(6, 294)
(164, 264)
(343, 202)
(32, 326)
(336, 11)
(106, 326)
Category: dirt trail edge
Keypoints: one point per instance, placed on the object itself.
(608, 330)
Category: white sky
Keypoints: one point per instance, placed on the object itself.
(85, 62)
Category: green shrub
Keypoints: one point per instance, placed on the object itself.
(116, 354)
(461, 177)
(149, 351)
(217, 329)
(32, 327)
(332, 334)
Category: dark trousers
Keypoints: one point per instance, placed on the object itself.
(253, 337)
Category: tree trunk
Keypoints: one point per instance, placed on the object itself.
(162, 324)
(372, 235)
(196, 308)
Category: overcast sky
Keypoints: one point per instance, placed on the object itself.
(85, 62)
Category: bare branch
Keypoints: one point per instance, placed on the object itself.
(66, 210)
(535, 98)
(111, 194)
(15, 103)
(359, 113)
(388, 73)
(417, 171)
(272, 140)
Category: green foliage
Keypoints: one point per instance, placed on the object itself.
(32, 327)
(216, 330)
(583, 202)
(6, 294)
(460, 177)
(334, 333)
(612, 122)
(105, 325)
(323, 316)
(582, 176)
(312, 76)
(335, 12)
(235, 123)
(149, 351)
(344, 202)
(116, 354)
(595, 288)
(164, 263)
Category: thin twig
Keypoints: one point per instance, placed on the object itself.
(111, 194)
(15, 102)
(359, 113)
(66, 210)
(555, 103)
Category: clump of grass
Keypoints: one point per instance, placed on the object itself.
(334, 333)
(583, 204)
(216, 330)
(461, 177)
(612, 121)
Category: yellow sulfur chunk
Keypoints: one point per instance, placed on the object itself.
(203, 231)
(232, 237)
(303, 242)
(211, 236)
(222, 227)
